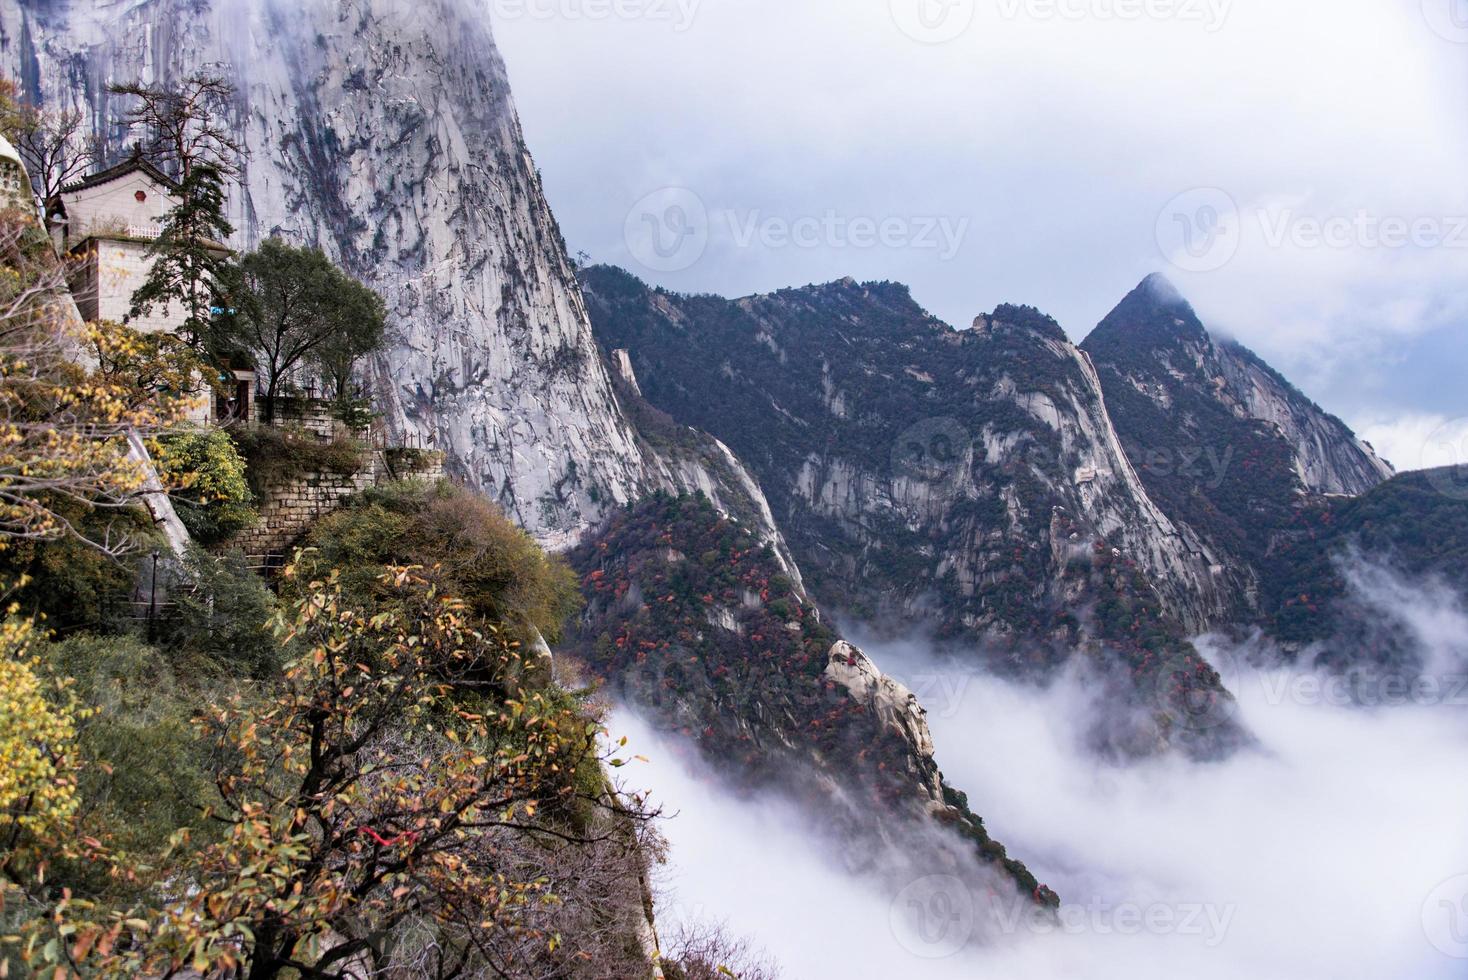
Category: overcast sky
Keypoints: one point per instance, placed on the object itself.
(1297, 166)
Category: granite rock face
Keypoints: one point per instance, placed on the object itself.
(1222, 441)
(919, 472)
(384, 132)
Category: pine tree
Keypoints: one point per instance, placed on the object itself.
(189, 262)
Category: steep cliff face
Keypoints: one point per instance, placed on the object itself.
(1222, 441)
(692, 621)
(912, 465)
(1329, 458)
(384, 132)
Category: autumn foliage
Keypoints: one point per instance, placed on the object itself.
(392, 802)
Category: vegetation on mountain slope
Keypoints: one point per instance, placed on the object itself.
(393, 780)
(1415, 526)
(692, 621)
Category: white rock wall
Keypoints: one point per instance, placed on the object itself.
(383, 132)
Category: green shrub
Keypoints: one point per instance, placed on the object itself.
(150, 773)
(355, 413)
(211, 494)
(464, 541)
(220, 622)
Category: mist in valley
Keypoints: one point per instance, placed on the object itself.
(1335, 847)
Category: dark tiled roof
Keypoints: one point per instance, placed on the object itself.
(133, 163)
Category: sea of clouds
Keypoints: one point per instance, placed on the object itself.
(1334, 849)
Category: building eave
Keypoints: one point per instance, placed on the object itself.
(133, 164)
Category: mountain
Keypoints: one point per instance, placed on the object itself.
(1222, 442)
(915, 468)
(695, 623)
(967, 483)
(1399, 542)
(384, 132)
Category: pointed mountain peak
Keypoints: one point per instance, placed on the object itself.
(1154, 314)
(1162, 289)
(1158, 294)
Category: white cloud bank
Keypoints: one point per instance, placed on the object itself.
(1419, 442)
(1337, 850)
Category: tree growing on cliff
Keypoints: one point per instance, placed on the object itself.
(186, 132)
(55, 147)
(298, 311)
(186, 124)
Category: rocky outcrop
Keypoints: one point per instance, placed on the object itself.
(894, 706)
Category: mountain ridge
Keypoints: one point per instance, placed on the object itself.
(1224, 443)
(962, 481)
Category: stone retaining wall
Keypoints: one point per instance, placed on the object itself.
(290, 509)
(313, 415)
(424, 465)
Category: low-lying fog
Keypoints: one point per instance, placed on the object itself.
(1338, 849)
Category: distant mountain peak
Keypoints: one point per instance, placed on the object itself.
(1168, 383)
(1153, 315)
(1163, 290)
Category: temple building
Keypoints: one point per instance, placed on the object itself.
(104, 224)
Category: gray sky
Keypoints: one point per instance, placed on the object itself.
(1297, 167)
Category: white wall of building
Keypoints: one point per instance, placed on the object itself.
(116, 269)
(114, 207)
(116, 221)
